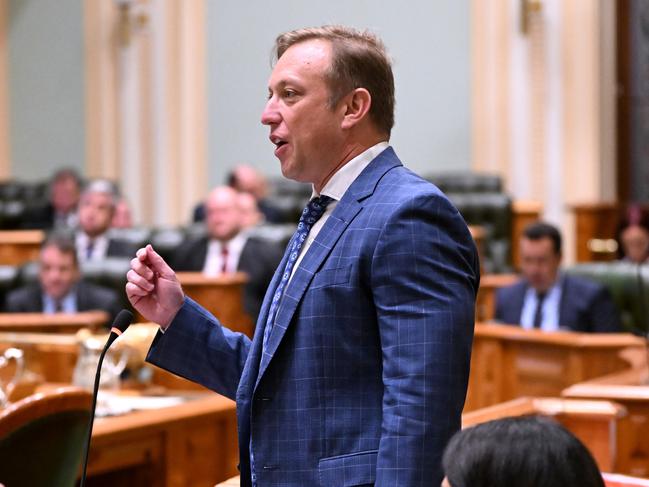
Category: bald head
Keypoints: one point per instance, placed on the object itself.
(222, 213)
(250, 214)
(247, 179)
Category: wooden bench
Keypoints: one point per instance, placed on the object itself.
(509, 361)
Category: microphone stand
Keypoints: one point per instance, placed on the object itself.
(122, 321)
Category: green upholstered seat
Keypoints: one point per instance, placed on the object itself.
(629, 286)
(42, 438)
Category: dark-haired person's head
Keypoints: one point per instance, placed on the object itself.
(65, 188)
(525, 451)
(58, 266)
(540, 253)
(633, 235)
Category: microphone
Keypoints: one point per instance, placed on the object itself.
(122, 321)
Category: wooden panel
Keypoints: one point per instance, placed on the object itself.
(596, 423)
(52, 323)
(594, 223)
(486, 300)
(509, 362)
(221, 295)
(194, 443)
(631, 389)
(19, 246)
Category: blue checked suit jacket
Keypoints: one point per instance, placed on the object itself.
(365, 373)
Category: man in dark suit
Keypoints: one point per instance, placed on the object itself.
(59, 289)
(96, 210)
(547, 300)
(228, 248)
(358, 369)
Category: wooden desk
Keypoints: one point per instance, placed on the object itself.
(221, 295)
(631, 389)
(52, 323)
(600, 425)
(194, 443)
(509, 362)
(485, 305)
(19, 246)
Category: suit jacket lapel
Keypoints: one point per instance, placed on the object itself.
(250, 375)
(343, 214)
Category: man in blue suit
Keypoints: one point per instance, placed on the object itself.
(545, 299)
(358, 369)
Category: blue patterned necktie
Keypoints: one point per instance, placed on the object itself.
(311, 214)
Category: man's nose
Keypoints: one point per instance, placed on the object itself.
(270, 115)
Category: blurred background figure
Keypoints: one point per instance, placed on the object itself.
(246, 179)
(633, 235)
(59, 288)
(96, 211)
(520, 451)
(60, 212)
(250, 214)
(548, 300)
(122, 217)
(227, 248)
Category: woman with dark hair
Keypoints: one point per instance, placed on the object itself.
(522, 451)
(633, 236)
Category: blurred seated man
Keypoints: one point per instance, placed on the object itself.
(545, 299)
(60, 288)
(250, 214)
(246, 179)
(122, 217)
(633, 236)
(525, 451)
(96, 210)
(60, 212)
(227, 249)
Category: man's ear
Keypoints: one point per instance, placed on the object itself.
(357, 104)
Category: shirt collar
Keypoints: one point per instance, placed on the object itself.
(346, 175)
(235, 243)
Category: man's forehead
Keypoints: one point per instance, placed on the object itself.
(305, 56)
(538, 244)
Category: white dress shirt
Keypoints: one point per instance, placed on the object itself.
(335, 188)
(214, 258)
(68, 303)
(99, 248)
(549, 308)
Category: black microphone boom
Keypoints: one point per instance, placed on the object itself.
(122, 321)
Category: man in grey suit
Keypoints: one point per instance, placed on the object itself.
(228, 247)
(60, 289)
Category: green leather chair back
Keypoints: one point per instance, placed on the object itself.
(44, 445)
(629, 286)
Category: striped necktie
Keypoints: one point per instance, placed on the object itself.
(311, 214)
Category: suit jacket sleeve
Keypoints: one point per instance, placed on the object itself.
(195, 346)
(424, 279)
(24, 300)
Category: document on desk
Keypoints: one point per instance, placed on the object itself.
(110, 404)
